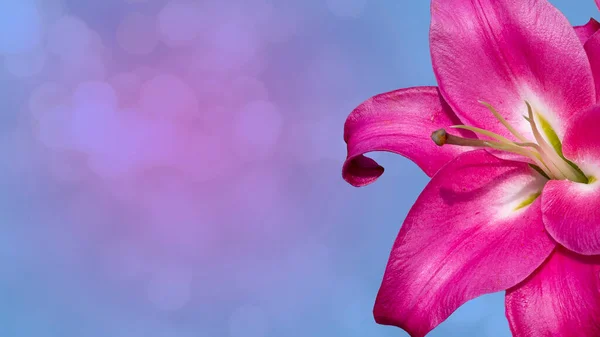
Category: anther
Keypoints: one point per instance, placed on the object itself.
(439, 137)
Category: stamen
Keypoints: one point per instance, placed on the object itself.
(545, 153)
(533, 155)
(483, 132)
(441, 137)
(540, 160)
(504, 122)
(552, 157)
(547, 161)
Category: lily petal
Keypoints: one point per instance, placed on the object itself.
(506, 52)
(570, 210)
(562, 298)
(571, 215)
(592, 48)
(468, 234)
(400, 121)
(584, 32)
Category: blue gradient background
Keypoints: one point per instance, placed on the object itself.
(233, 220)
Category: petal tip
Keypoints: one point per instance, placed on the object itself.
(383, 317)
(361, 171)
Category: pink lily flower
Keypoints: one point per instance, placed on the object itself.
(510, 138)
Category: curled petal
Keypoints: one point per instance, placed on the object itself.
(562, 298)
(400, 121)
(475, 229)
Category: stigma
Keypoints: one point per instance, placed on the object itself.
(547, 159)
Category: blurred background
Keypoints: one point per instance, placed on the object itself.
(173, 168)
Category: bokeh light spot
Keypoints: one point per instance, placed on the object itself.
(257, 128)
(248, 321)
(51, 127)
(46, 96)
(127, 86)
(25, 64)
(124, 260)
(347, 8)
(287, 22)
(259, 197)
(20, 26)
(136, 34)
(170, 288)
(99, 94)
(89, 61)
(179, 22)
(69, 38)
(67, 166)
(94, 116)
(131, 144)
(167, 96)
(234, 43)
(204, 158)
(247, 89)
(145, 72)
(319, 139)
(51, 10)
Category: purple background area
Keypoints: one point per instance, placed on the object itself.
(172, 168)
